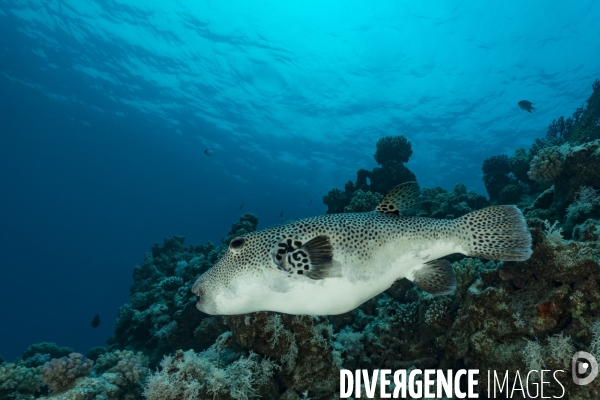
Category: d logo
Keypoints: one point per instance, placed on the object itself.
(580, 368)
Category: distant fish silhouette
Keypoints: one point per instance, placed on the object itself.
(310, 203)
(281, 214)
(242, 205)
(96, 321)
(209, 152)
(526, 105)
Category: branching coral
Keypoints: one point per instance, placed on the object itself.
(561, 349)
(162, 316)
(392, 148)
(547, 164)
(207, 375)
(348, 343)
(49, 348)
(363, 202)
(171, 283)
(335, 200)
(392, 152)
(60, 373)
(519, 164)
(439, 203)
(534, 355)
(247, 223)
(553, 233)
(495, 175)
(585, 200)
(18, 379)
(133, 367)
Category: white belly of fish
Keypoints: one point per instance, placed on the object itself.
(358, 282)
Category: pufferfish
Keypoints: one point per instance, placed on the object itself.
(331, 264)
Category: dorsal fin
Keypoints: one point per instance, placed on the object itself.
(403, 199)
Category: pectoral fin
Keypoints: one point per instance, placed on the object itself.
(313, 259)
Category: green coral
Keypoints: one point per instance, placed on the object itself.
(391, 174)
(247, 223)
(511, 194)
(363, 202)
(519, 164)
(49, 348)
(60, 373)
(392, 148)
(392, 152)
(583, 125)
(439, 203)
(336, 201)
(19, 381)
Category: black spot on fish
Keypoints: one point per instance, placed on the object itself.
(96, 321)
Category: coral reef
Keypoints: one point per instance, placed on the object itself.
(60, 373)
(392, 152)
(217, 373)
(503, 316)
(336, 201)
(511, 315)
(585, 205)
(51, 349)
(162, 316)
(495, 175)
(363, 202)
(133, 367)
(583, 126)
(392, 149)
(247, 223)
(519, 165)
(439, 203)
(547, 164)
(17, 381)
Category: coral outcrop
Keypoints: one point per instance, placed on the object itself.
(440, 203)
(392, 152)
(547, 164)
(18, 381)
(60, 373)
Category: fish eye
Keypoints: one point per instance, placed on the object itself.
(237, 243)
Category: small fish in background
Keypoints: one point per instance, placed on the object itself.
(96, 321)
(242, 205)
(281, 214)
(526, 105)
(209, 152)
(310, 203)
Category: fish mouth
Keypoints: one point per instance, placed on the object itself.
(196, 289)
(203, 304)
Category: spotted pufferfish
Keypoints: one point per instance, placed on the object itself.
(331, 264)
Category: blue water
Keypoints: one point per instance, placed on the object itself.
(106, 109)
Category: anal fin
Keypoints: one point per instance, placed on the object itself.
(435, 277)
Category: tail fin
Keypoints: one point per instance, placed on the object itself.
(496, 233)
